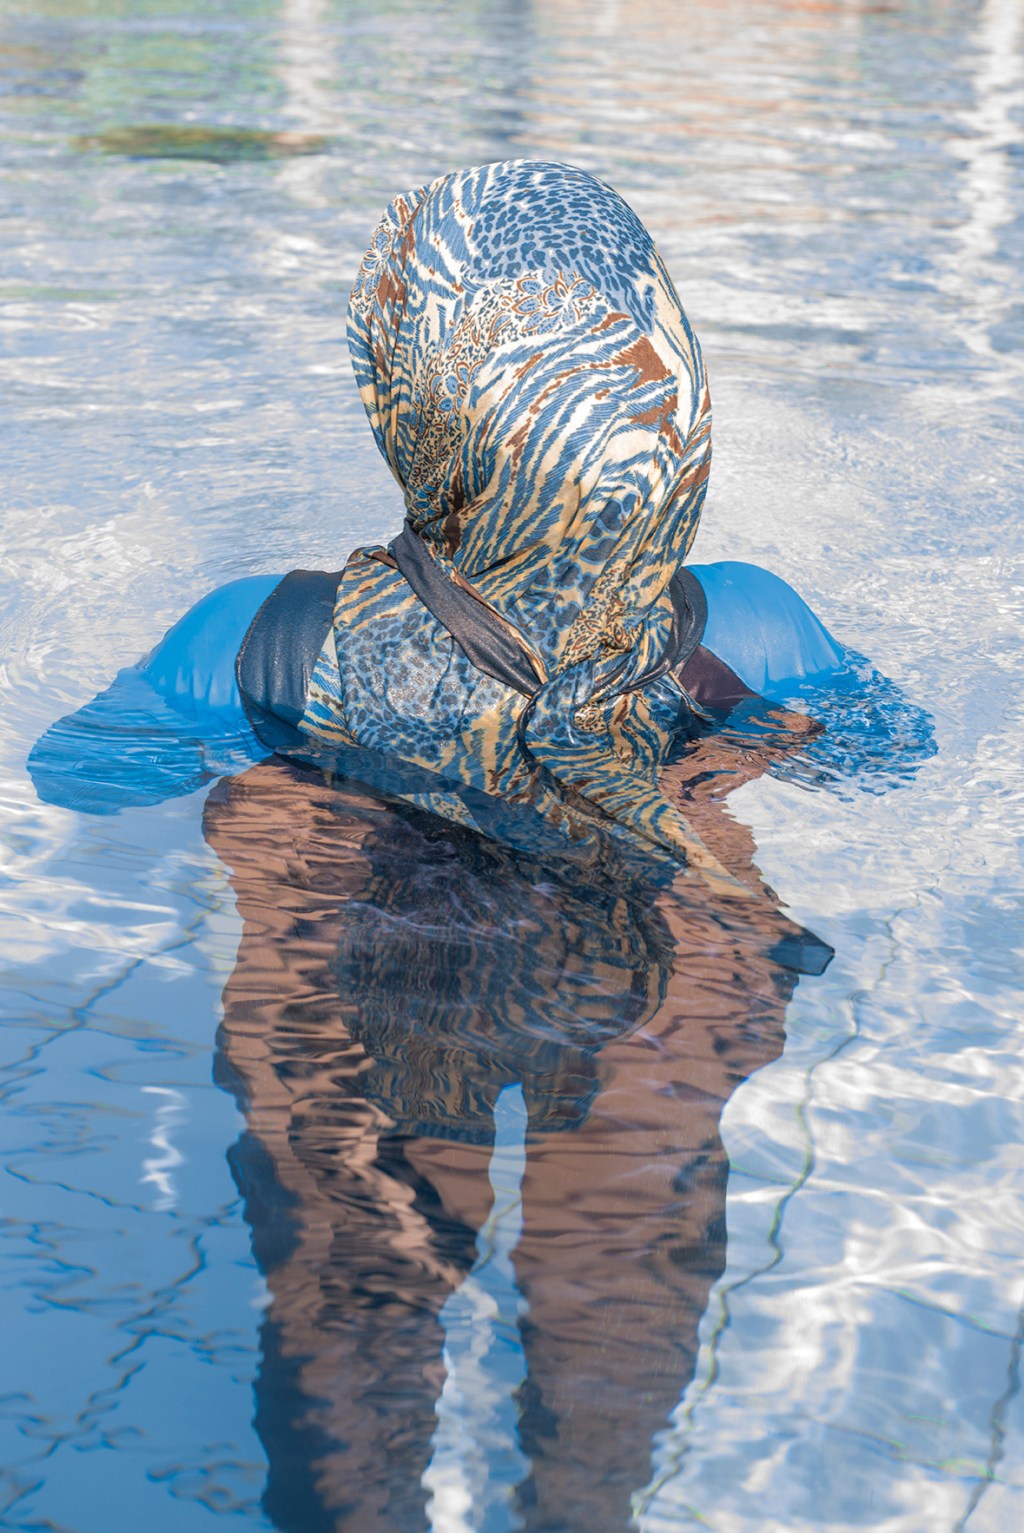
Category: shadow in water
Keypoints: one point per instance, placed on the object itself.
(482, 1164)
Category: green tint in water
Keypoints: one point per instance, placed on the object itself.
(224, 146)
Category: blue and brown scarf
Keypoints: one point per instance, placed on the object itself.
(533, 382)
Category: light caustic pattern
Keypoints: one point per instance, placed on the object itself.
(186, 192)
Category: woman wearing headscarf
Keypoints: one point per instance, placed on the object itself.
(533, 634)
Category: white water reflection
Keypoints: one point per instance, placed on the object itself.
(477, 1460)
(158, 1169)
(994, 125)
(305, 65)
(838, 191)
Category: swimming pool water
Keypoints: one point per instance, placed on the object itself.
(446, 1195)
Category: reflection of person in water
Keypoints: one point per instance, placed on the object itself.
(396, 977)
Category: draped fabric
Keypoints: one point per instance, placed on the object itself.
(540, 397)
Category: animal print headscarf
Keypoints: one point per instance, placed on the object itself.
(533, 382)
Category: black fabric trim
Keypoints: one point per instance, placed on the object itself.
(691, 616)
(710, 682)
(276, 659)
(486, 643)
(689, 619)
(494, 650)
(802, 952)
(275, 663)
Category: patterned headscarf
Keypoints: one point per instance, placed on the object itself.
(533, 382)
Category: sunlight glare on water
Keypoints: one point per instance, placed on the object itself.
(198, 1326)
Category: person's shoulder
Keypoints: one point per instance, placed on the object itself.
(762, 628)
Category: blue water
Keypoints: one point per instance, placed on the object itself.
(399, 1208)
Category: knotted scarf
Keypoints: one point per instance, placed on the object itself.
(532, 380)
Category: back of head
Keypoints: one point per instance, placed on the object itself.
(532, 380)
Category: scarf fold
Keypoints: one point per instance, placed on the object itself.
(492, 644)
(532, 380)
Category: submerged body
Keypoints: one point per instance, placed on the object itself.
(179, 717)
(756, 626)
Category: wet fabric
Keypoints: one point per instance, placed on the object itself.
(487, 641)
(166, 726)
(533, 382)
(275, 661)
(763, 630)
(193, 666)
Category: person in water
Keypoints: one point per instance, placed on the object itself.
(527, 684)
(533, 636)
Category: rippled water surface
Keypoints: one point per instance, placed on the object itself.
(359, 1175)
